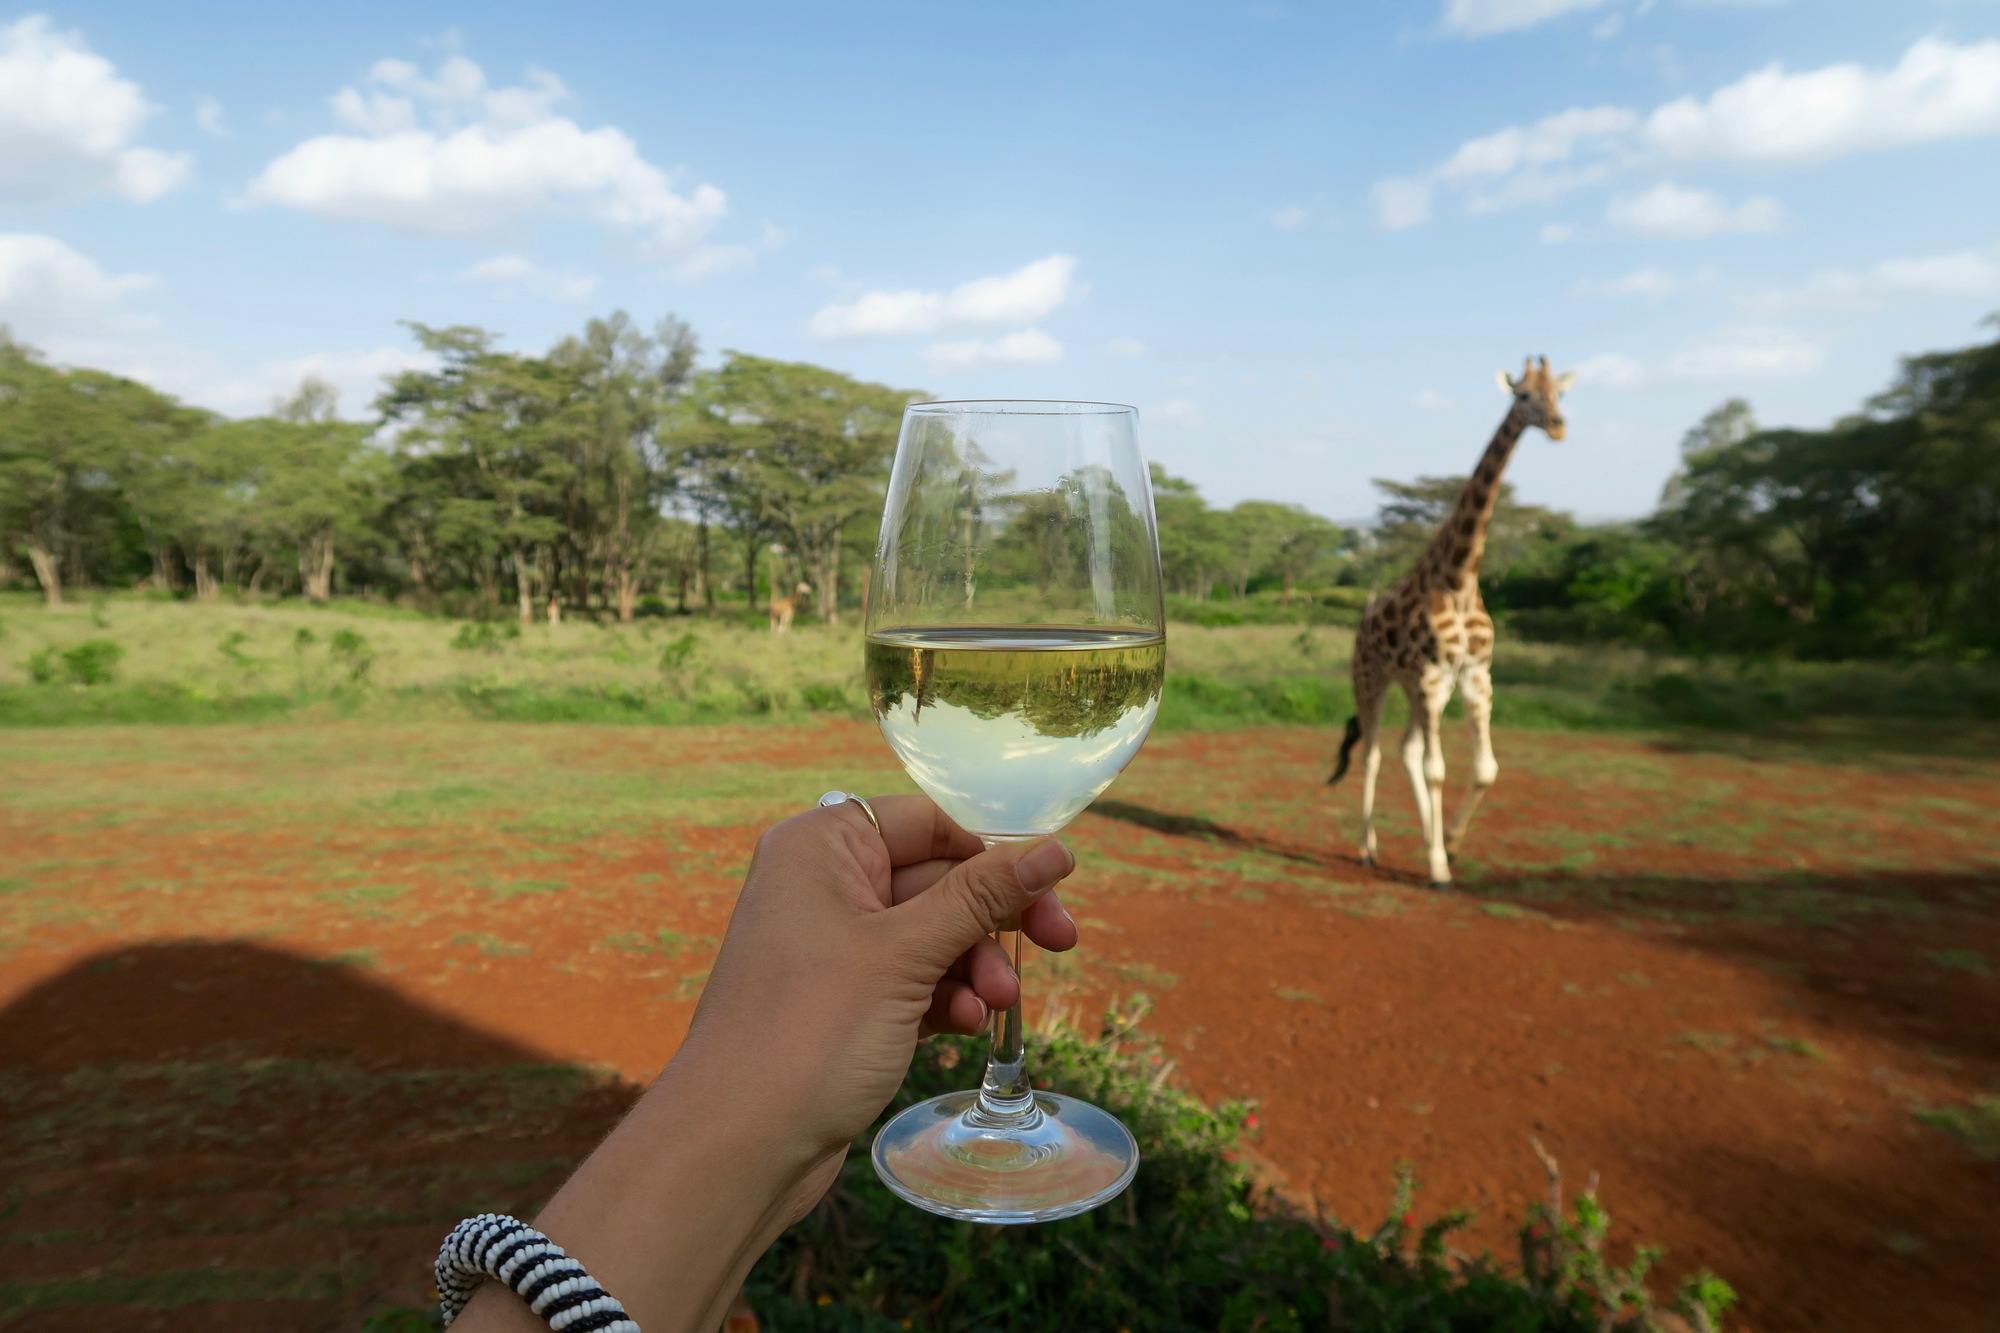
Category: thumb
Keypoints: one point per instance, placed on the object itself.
(982, 894)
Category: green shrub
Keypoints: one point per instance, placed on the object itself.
(481, 636)
(352, 651)
(92, 662)
(1192, 1246)
(826, 697)
(675, 654)
(231, 647)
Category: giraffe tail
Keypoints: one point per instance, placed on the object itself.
(1346, 747)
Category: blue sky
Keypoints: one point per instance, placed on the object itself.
(1301, 237)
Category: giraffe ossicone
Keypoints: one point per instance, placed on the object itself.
(1430, 635)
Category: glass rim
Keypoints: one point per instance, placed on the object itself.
(1025, 407)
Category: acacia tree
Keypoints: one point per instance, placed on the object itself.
(1193, 548)
(1411, 511)
(807, 452)
(495, 423)
(68, 439)
(319, 485)
(625, 464)
(1306, 544)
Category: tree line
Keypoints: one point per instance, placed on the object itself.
(613, 472)
(606, 471)
(1876, 536)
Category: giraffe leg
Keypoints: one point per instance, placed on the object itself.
(1432, 763)
(1413, 764)
(1369, 711)
(1476, 688)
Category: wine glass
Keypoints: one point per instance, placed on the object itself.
(1016, 651)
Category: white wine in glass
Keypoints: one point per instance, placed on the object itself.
(1016, 654)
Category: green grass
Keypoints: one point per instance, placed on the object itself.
(1976, 1124)
(171, 1290)
(174, 662)
(1969, 961)
(1799, 1046)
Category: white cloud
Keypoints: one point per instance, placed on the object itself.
(518, 273)
(1647, 282)
(68, 120)
(1677, 211)
(1733, 354)
(1431, 400)
(448, 152)
(1402, 203)
(1745, 354)
(705, 261)
(1484, 18)
(1131, 349)
(1289, 218)
(1610, 370)
(1937, 89)
(1557, 233)
(1177, 412)
(1021, 297)
(1519, 164)
(1028, 347)
(208, 115)
(500, 268)
(1552, 139)
(1965, 274)
(47, 288)
(357, 376)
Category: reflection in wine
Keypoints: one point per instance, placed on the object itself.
(1013, 730)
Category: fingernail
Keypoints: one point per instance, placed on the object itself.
(1043, 866)
(984, 1013)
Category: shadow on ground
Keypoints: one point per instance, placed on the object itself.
(1196, 826)
(223, 1135)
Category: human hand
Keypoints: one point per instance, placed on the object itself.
(846, 946)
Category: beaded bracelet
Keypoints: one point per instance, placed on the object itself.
(537, 1270)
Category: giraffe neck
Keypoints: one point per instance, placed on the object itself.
(1454, 553)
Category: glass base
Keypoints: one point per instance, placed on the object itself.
(1063, 1158)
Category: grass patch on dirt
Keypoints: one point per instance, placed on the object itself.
(1969, 961)
(1976, 1124)
(172, 1290)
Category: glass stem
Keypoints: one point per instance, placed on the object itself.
(1004, 1094)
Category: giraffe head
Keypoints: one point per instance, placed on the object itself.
(1540, 393)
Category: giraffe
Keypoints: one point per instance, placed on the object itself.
(1430, 633)
(782, 609)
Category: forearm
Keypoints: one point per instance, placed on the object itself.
(674, 1207)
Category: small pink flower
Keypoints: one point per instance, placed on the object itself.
(1329, 1243)
(1250, 1122)
(1404, 1221)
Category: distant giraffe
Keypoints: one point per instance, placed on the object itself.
(784, 608)
(1430, 632)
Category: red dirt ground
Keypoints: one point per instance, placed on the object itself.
(1712, 981)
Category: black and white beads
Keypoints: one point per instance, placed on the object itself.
(534, 1267)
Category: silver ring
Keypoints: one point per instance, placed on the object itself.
(833, 798)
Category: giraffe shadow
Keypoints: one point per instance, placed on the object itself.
(1178, 825)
